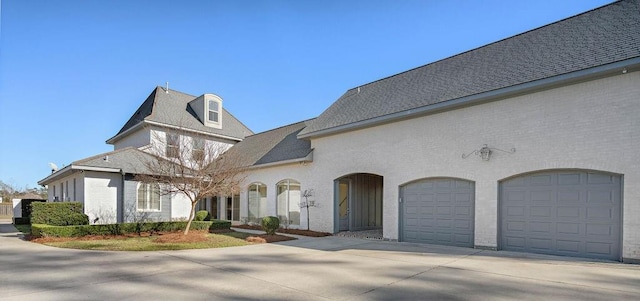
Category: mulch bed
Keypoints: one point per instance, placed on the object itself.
(167, 237)
(288, 231)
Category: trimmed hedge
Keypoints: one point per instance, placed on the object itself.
(270, 224)
(41, 230)
(202, 215)
(58, 214)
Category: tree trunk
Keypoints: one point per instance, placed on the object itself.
(191, 216)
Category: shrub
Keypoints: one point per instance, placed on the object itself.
(25, 205)
(58, 214)
(270, 224)
(202, 215)
(40, 230)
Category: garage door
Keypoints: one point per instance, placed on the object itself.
(438, 211)
(562, 213)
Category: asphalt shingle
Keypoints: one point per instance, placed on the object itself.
(173, 109)
(598, 37)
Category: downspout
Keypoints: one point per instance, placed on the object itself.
(120, 217)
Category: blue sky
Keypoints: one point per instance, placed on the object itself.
(73, 72)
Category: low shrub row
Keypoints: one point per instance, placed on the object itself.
(58, 214)
(41, 230)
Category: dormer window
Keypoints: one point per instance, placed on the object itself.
(208, 108)
(214, 111)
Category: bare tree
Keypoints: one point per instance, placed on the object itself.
(308, 193)
(193, 165)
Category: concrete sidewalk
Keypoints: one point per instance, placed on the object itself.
(328, 268)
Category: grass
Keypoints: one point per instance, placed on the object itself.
(154, 243)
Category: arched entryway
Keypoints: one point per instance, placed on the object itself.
(358, 202)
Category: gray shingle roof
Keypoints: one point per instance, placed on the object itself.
(129, 159)
(277, 145)
(601, 36)
(172, 109)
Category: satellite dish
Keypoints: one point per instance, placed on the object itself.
(53, 166)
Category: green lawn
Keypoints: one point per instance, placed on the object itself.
(222, 240)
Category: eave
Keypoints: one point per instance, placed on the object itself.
(134, 128)
(70, 169)
(307, 159)
(611, 69)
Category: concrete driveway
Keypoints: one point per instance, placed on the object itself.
(331, 268)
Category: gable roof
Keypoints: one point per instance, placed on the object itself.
(129, 160)
(607, 36)
(173, 109)
(276, 146)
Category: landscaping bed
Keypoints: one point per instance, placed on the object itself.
(155, 241)
(287, 231)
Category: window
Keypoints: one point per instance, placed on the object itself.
(257, 201)
(197, 150)
(214, 111)
(148, 197)
(233, 208)
(173, 145)
(288, 202)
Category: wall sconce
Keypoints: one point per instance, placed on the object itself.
(485, 152)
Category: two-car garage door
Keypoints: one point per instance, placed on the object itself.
(564, 212)
(574, 213)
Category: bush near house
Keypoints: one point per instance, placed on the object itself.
(58, 214)
(41, 230)
(202, 215)
(270, 224)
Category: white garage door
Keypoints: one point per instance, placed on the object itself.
(438, 211)
(574, 213)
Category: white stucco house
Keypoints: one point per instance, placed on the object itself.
(526, 144)
(167, 124)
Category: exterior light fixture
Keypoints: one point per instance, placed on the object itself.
(485, 152)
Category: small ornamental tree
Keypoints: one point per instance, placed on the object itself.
(193, 166)
(308, 193)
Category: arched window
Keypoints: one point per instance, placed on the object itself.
(148, 197)
(257, 193)
(289, 202)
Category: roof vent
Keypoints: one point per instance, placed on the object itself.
(167, 89)
(106, 158)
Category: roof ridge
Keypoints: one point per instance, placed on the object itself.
(105, 154)
(490, 44)
(281, 127)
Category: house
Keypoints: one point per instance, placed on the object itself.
(526, 144)
(167, 124)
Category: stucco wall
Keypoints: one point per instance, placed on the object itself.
(75, 189)
(270, 177)
(593, 125)
(139, 138)
(102, 193)
(131, 212)
(180, 206)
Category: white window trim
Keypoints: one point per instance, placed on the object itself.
(208, 121)
(287, 182)
(259, 214)
(148, 199)
(171, 146)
